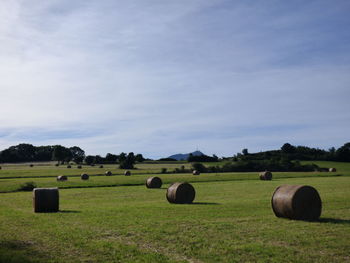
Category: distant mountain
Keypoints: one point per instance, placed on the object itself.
(184, 156)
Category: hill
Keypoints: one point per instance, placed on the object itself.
(184, 156)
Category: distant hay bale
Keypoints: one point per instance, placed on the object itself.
(92, 164)
(62, 178)
(101, 166)
(69, 166)
(180, 193)
(79, 166)
(45, 200)
(84, 177)
(196, 172)
(31, 165)
(154, 182)
(332, 169)
(108, 173)
(127, 173)
(57, 164)
(265, 175)
(297, 202)
(0, 167)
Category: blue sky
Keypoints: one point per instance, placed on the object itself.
(161, 77)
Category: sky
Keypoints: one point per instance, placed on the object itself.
(163, 77)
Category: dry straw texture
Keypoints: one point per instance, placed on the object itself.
(265, 175)
(154, 182)
(62, 178)
(180, 193)
(45, 200)
(297, 202)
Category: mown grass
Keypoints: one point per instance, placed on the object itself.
(230, 221)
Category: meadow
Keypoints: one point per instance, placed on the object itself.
(117, 219)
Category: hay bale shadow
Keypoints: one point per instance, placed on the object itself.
(69, 211)
(204, 203)
(334, 221)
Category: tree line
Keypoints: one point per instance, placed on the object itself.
(291, 152)
(29, 153)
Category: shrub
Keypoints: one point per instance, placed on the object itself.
(163, 170)
(27, 186)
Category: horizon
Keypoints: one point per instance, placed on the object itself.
(165, 78)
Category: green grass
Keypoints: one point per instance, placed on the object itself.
(230, 221)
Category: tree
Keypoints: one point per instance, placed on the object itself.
(111, 158)
(139, 158)
(122, 157)
(78, 154)
(61, 153)
(288, 148)
(343, 153)
(89, 159)
(245, 151)
(129, 161)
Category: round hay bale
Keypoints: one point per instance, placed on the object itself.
(127, 173)
(108, 173)
(196, 172)
(0, 167)
(297, 202)
(84, 177)
(332, 170)
(31, 165)
(79, 166)
(45, 200)
(265, 175)
(62, 178)
(69, 166)
(154, 182)
(57, 164)
(180, 193)
(101, 166)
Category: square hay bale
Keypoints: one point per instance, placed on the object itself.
(45, 200)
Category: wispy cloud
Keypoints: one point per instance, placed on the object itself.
(164, 77)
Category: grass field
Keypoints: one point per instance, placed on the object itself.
(231, 219)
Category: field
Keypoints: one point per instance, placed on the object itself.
(117, 219)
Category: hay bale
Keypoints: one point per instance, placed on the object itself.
(92, 164)
(69, 166)
(57, 164)
(196, 172)
(127, 173)
(108, 173)
(0, 167)
(79, 166)
(332, 170)
(62, 178)
(180, 193)
(101, 166)
(154, 182)
(297, 202)
(31, 165)
(265, 175)
(45, 200)
(84, 177)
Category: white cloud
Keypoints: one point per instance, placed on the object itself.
(167, 77)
